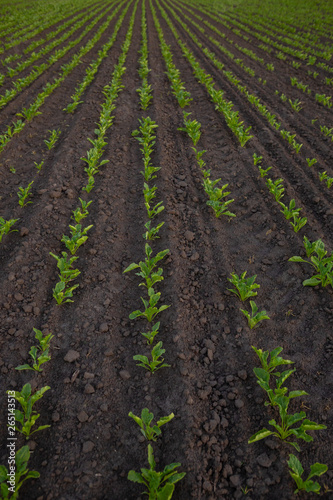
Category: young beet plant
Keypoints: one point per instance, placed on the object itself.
(23, 194)
(215, 197)
(22, 473)
(322, 264)
(160, 485)
(244, 286)
(27, 418)
(281, 400)
(150, 432)
(6, 227)
(54, 136)
(192, 127)
(40, 354)
(296, 472)
(255, 317)
(156, 363)
(78, 237)
(293, 213)
(146, 137)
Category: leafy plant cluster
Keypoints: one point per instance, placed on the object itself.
(290, 426)
(290, 212)
(318, 259)
(77, 24)
(177, 86)
(33, 110)
(92, 69)
(160, 485)
(145, 89)
(225, 107)
(26, 418)
(22, 83)
(6, 226)
(111, 92)
(244, 289)
(192, 128)
(63, 290)
(149, 269)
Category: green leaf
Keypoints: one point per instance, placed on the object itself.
(131, 267)
(136, 477)
(311, 282)
(296, 259)
(317, 470)
(295, 465)
(166, 492)
(262, 434)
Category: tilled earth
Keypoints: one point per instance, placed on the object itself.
(210, 387)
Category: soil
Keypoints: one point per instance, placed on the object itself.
(211, 388)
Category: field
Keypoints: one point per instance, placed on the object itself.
(193, 139)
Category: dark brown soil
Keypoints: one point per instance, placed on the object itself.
(210, 387)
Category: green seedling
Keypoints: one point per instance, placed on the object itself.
(263, 375)
(150, 433)
(39, 165)
(27, 418)
(149, 193)
(145, 95)
(77, 239)
(90, 185)
(296, 146)
(12, 170)
(244, 286)
(160, 485)
(324, 177)
(270, 67)
(22, 473)
(215, 194)
(256, 159)
(65, 266)
(290, 212)
(298, 222)
(296, 473)
(152, 212)
(146, 137)
(61, 294)
(296, 105)
(276, 188)
(40, 354)
(286, 429)
(6, 226)
(255, 317)
(271, 360)
(148, 266)
(283, 97)
(311, 162)
(55, 134)
(152, 333)
(81, 212)
(152, 232)
(192, 127)
(325, 130)
(156, 362)
(264, 172)
(324, 99)
(151, 311)
(323, 265)
(23, 194)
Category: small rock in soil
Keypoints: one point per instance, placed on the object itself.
(72, 356)
(124, 374)
(264, 460)
(87, 447)
(89, 389)
(82, 416)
